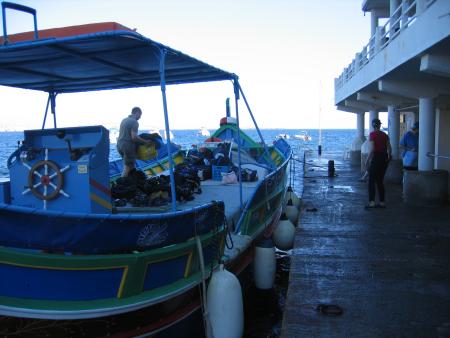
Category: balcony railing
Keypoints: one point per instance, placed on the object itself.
(403, 17)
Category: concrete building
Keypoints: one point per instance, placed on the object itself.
(405, 70)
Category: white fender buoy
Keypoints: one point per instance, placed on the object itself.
(291, 212)
(291, 195)
(265, 264)
(284, 234)
(224, 305)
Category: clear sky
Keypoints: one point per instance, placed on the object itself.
(286, 53)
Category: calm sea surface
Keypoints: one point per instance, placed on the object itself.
(332, 139)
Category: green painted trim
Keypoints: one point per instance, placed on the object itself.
(136, 263)
(247, 227)
(242, 134)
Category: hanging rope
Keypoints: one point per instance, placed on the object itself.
(202, 290)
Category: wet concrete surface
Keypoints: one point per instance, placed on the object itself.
(387, 269)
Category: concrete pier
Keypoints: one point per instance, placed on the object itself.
(387, 269)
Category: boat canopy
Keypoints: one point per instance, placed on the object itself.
(95, 57)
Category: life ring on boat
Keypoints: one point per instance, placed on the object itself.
(45, 179)
(213, 139)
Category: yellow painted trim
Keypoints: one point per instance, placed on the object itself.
(104, 203)
(178, 159)
(157, 169)
(122, 282)
(188, 264)
(65, 268)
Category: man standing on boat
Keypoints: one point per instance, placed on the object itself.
(129, 139)
(377, 162)
(410, 144)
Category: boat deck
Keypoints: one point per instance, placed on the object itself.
(388, 269)
(229, 193)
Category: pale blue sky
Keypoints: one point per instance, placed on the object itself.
(286, 53)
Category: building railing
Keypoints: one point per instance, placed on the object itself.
(438, 156)
(403, 17)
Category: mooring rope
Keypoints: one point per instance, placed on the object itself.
(206, 322)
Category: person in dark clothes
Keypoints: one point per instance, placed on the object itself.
(410, 145)
(128, 140)
(377, 162)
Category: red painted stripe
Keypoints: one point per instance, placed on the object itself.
(67, 31)
(100, 187)
(243, 262)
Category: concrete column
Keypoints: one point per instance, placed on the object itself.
(427, 120)
(442, 138)
(394, 130)
(373, 114)
(393, 5)
(373, 23)
(355, 150)
(360, 125)
(394, 173)
(421, 6)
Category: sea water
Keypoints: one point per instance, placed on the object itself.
(332, 139)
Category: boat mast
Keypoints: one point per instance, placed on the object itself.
(166, 121)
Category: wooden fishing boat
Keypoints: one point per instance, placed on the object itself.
(71, 262)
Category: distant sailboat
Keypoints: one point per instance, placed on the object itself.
(204, 132)
(303, 135)
(285, 136)
(113, 135)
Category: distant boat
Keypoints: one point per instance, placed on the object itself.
(303, 136)
(285, 136)
(113, 135)
(204, 132)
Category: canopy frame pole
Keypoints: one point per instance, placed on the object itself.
(20, 8)
(46, 111)
(266, 151)
(166, 121)
(52, 96)
(236, 99)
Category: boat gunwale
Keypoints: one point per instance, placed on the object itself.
(102, 216)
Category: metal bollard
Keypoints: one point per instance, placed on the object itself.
(331, 170)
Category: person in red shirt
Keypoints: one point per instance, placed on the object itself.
(377, 162)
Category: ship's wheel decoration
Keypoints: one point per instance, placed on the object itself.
(49, 181)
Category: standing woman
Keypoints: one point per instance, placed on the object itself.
(377, 162)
